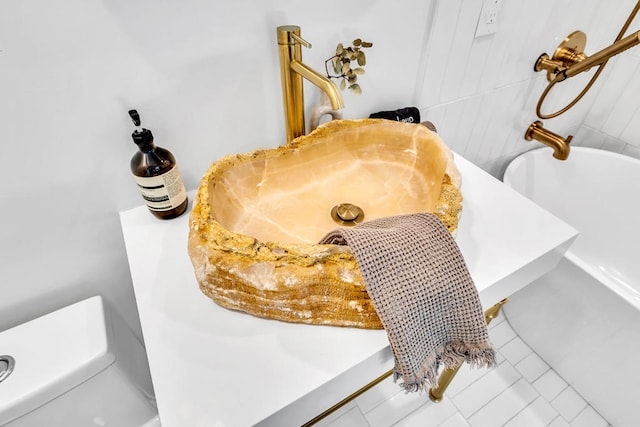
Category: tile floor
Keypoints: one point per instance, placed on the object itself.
(522, 391)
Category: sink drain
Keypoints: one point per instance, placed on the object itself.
(347, 214)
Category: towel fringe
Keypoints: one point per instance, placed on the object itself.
(450, 356)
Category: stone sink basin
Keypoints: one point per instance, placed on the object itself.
(257, 217)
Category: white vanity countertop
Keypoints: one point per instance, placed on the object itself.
(215, 367)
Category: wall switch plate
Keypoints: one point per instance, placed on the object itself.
(488, 19)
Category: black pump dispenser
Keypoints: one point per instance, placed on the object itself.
(156, 173)
(140, 136)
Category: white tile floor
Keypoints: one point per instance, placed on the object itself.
(522, 391)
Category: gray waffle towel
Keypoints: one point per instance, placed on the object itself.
(421, 289)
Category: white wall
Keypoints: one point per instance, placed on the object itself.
(613, 121)
(205, 78)
(483, 96)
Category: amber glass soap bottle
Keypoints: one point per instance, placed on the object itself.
(157, 175)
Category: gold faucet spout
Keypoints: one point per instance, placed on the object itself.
(292, 71)
(326, 85)
(601, 56)
(559, 144)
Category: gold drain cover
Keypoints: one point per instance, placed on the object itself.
(347, 214)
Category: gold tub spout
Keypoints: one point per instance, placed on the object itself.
(559, 144)
(292, 71)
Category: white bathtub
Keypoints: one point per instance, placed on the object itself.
(583, 318)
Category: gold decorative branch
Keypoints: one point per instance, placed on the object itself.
(342, 61)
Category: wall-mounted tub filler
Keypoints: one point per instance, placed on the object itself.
(292, 70)
(569, 60)
(76, 367)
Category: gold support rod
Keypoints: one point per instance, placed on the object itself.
(349, 398)
(447, 375)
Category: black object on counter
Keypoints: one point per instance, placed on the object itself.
(407, 115)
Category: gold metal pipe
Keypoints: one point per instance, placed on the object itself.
(445, 378)
(493, 311)
(559, 144)
(348, 399)
(292, 71)
(436, 394)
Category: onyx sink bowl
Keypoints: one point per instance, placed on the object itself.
(258, 216)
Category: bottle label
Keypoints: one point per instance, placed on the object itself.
(163, 192)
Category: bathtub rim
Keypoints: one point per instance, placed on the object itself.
(624, 290)
(544, 151)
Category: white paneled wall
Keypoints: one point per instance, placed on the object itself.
(205, 78)
(482, 95)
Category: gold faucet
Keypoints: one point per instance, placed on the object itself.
(292, 70)
(559, 144)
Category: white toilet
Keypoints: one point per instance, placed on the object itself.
(79, 366)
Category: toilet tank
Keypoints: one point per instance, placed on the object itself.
(77, 366)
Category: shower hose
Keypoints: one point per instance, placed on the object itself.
(558, 77)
